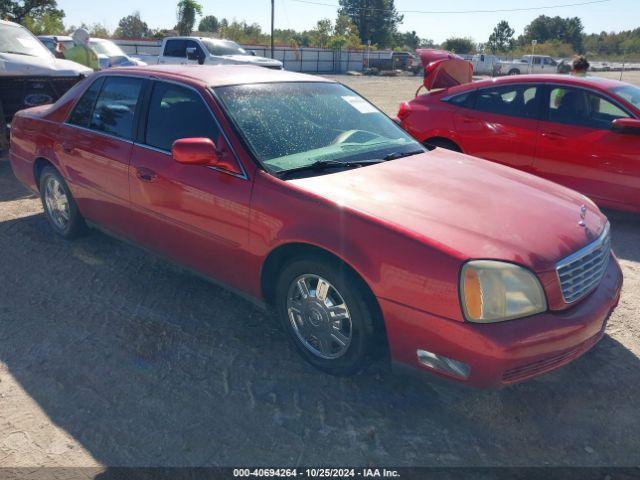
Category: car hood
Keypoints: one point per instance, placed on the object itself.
(253, 60)
(23, 65)
(468, 207)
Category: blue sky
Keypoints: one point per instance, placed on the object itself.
(612, 15)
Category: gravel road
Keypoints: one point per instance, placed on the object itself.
(110, 357)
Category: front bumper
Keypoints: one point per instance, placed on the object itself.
(500, 354)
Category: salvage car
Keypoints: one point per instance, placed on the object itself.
(582, 132)
(299, 194)
(30, 74)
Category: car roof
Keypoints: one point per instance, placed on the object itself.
(223, 75)
(58, 37)
(600, 83)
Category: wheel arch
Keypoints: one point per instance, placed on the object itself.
(39, 165)
(281, 255)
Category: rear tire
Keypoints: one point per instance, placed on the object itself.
(431, 144)
(327, 314)
(514, 71)
(59, 205)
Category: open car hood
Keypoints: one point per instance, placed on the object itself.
(444, 69)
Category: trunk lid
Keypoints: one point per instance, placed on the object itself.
(444, 69)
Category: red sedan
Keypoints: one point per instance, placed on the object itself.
(298, 193)
(581, 132)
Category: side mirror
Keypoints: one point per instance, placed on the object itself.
(626, 125)
(195, 151)
(192, 53)
(252, 52)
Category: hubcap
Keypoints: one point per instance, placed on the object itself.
(319, 316)
(57, 203)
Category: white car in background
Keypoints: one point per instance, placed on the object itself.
(210, 51)
(109, 54)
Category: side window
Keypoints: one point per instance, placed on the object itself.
(177, 112)
(175, 48)
(514, 101)
(116, 106)
(550, 61)
(196, 45)
(536, 60)
(81, 114)
(579, 107)
(464, 100)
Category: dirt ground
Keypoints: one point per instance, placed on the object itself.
(111, 357)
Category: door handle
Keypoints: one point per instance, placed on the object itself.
(67, 148)
(146, 174)
(554, 136)
(468, 119)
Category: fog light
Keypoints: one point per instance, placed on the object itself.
(444, 364)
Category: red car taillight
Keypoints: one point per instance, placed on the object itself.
(404, 111)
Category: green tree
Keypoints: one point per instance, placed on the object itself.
(132, 26)
(501, 39)
(322, 32)
(187, 12)
(18, 10)
(407, 40)
(377, 20)
(545, 28)
(49, 23)
(346, 29)
(459, 45)
(209, 24)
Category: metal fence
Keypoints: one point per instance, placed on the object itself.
(303, 59)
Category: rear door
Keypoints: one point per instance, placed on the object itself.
(95, 147)
(501, 124)
(579, 149)
(196, 215)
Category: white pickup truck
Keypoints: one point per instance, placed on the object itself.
(30, 74)
(530, 64)
(210, 51)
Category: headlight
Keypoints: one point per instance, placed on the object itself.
(493, 291)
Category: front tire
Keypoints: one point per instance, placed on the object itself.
(59, 206)
(327, 314)
(514, 71)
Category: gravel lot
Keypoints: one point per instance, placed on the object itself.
(111, 357)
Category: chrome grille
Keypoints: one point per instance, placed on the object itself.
(581, 272)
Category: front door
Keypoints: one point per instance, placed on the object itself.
(95, 148)
(196, 215)
(579, 149)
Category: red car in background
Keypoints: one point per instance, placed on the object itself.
(298, 193)
(581, 132)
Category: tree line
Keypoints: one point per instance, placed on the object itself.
(359, 24)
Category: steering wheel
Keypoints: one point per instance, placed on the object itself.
(349, 134)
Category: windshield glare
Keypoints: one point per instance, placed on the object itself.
(107, 48)
(291, 125)
(223, 47)
(630, 93)
(19, 41)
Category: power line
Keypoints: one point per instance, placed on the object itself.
(438, 12)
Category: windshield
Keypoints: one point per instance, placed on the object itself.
(630, 93)
(223, 47)
(292, 125)
(104, 47)
(19, 41)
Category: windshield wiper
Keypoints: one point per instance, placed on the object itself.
(396, 155)
(324, 164)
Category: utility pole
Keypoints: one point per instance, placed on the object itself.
(272, 47)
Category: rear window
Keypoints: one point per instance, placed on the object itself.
(81, 114)
(116, 106)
